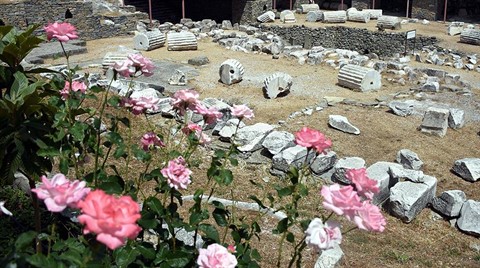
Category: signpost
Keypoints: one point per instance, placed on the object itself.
(410, 35)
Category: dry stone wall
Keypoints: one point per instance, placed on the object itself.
(425, 9)
(89, 25)
(362, 40)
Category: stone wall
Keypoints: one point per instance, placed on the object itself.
(361, 4)
(425, 9)
(89, 25)
(361, 40)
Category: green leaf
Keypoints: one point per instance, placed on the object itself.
(78, 131)
(125, 256)
(179, 258)
(25, 240)
(141, 155)
(41, 261)
(290, 237)
(220, 217)
(147, 251)
(254, 198)
(282, 192)
(155, 205)
(209, 231)
(63, 165)
(282, 226)
(113, 185)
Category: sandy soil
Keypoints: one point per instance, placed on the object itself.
(425, 242)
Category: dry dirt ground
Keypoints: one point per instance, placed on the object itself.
(427, 241)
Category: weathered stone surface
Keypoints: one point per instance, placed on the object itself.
(468, 169)
(199, 61)
(401, 108)
(227, 129)
(402, 174)
(341, 123)
(346, 163)
(449, 203)
(329, 258)
(21, 182)
(408, 199)
(277, 141)
(469, 220)
(380, 172)
(435, 121)
(277, 84)
(409, 159)
(268, 16)
(359, 78)
(231, 71)
(178, 78)
(456, 119)
(323, 162)
(292, 156)
(250, 138)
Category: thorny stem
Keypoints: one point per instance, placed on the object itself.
(102, 110)
(66, 55)
(349, 230)
(280, 249)
(36, 216)
(296, 252)
(50, 239)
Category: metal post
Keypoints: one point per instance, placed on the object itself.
(274, 4)
(373, 7)
(341, 3)
(408, 6)
(183, 9)
(150, 11)
(445, 12)
(291, 5)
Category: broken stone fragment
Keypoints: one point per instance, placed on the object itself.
(341, 123)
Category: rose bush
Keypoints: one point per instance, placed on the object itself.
(108, 216)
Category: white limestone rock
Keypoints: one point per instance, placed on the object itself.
(401, 108)
(449, 203)
(227, 129)
(468, 169)
(409, 159)
(435, 121)
(402, 174)
(292, 156)
(380, 172)
(341, 123)
(323, 162)
(469, 220)
(456, 119)
(408, 199)
(343, 165)
(178, 78)
(250, 138)
(329, 258)
(277, 141)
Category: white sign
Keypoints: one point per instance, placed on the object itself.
(411, 34)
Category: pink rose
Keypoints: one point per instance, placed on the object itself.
(112, 219)
(210, 115)
(323, 236)
(150, 140)
(203, 138)
(242, 111)
(75, 87)
(59, 192)
(124, 68)
(365, 186)
(177, 174)
(216, 256)
(61, 31)
(133, 64)
(142, 64)
(312, 138)
(369, 218)
(341, 200)
(184, 99)
(4, 210)
(140, 105)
